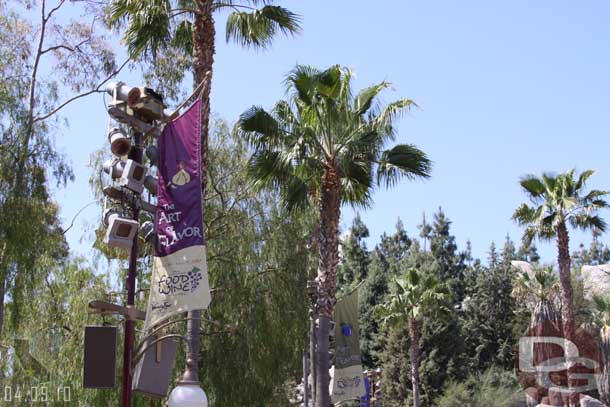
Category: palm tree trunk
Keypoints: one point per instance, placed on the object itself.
(203, 58)
(204, 35)
(330, 212)
(414, 353)
(567, 294)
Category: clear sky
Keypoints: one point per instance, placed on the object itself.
(505, 88)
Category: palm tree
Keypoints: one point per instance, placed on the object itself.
(325, 147)
(601, 318)
(415, 296)
(556, 202)
(538, 289)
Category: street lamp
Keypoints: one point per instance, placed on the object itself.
(188, 393)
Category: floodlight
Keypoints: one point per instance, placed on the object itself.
(153, 155)
(121, 230)
(132, 176)
(120, 144)
(114, 168)
(147, 103)
(147, 231)
(118, 90)
(151, 183)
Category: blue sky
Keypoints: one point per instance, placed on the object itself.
(504, 89)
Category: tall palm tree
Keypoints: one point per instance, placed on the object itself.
(415, 297)
(325, 147)
(557, 201)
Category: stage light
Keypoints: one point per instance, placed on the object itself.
(147, 231)
(121, 230)
(120, 144)
(114, 168)
(118, 90)
(132, 176)
(151, 183)
(153, 155)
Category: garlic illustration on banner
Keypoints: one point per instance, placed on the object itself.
(181, 178)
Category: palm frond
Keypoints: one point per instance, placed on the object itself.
(403, 160)
(532, 185)
(259, 127)
(303, 79)
(364, 99)
(258, 28)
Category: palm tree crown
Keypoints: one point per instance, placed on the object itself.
(415, 294)
(158, 24)
(557, 200)
(323, 127)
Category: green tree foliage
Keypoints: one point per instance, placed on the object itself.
(44, 66)
(259, 261)
(385, 264)
(487, 315)
(415, 296)
(354, 264)
(46, 348)
(494, 387)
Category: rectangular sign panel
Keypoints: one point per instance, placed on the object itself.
(179, 281)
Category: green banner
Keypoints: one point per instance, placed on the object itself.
(348, 382)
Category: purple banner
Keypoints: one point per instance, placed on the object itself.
(179, 221)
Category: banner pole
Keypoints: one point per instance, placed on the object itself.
(130, 283)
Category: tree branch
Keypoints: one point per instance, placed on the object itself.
(95, 90)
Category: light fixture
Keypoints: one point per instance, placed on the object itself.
(118, 90)
(152, 154)
(120, 144)
(147, 231)
(132, 176)
(120, 230)
(187, 395)
(151, 183)
(114, 168)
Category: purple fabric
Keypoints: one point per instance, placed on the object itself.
(365, 400)
(179, 222)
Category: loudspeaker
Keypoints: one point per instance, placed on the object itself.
(153, 372)
(99, 362)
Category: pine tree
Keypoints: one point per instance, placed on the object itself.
(354, 263)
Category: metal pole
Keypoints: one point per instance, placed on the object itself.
(312, 352)
(191, 372)
(130, 284)
(305, 379)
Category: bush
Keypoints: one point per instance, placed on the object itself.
(495, 387)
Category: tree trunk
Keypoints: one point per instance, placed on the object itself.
(203, 58)
(330, 212)
(414, 353)
(567, 294)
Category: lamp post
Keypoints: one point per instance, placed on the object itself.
(188, 392)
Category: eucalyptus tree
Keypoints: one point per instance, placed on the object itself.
(48, 60)
(557, 201)
(415, 296)
(325, 147)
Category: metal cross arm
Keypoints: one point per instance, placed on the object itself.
(103, 307)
